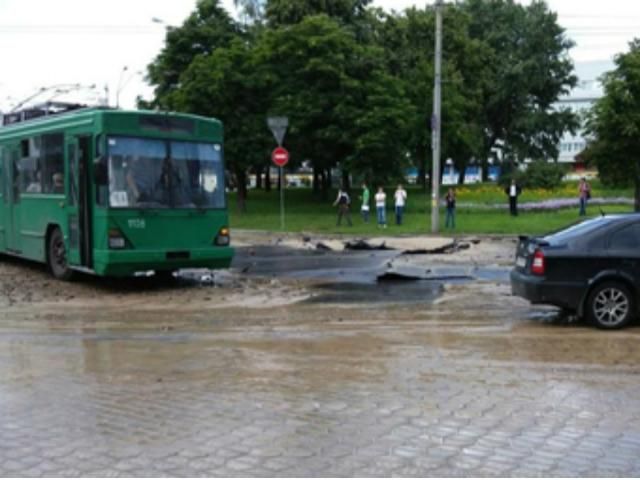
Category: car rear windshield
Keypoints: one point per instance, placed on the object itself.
(576, 231)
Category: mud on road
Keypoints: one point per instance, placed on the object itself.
(278, 373)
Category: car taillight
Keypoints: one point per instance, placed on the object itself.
(537, 266)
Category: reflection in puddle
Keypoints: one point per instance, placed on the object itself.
(555, 316)
(389, 292)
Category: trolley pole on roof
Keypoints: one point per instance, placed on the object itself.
(436, 124)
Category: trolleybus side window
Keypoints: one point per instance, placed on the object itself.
(3, 190)
(30, 166)
(53, 163)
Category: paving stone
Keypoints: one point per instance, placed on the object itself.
(420, 398)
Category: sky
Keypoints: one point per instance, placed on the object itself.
(100, 45)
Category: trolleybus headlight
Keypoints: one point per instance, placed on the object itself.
(116, 240)
(222, 239)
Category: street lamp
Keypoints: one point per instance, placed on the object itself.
(436, 123)
(122, 85)
(124, 69)
(160, 21)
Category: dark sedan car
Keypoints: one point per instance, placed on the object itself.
(591, 268)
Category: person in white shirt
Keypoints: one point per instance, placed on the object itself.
(381, 205)
(400, 201)
(35, 186)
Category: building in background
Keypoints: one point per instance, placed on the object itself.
(572, 145)
(581, 100)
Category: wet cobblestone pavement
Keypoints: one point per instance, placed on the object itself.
(177, 383)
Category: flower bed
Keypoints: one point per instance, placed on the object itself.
(551, 204)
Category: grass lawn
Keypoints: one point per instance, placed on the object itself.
(304, 213)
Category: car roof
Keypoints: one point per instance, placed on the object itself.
(587, 227)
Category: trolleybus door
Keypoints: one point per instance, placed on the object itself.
(3, 190)
(12, 191)
(78, 201)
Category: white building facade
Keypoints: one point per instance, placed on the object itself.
(572, 145)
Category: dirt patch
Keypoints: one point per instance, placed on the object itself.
(28, 290)
(476, 250)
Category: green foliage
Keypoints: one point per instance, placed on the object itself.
(538, 174)
(408, 43)
(225, 85)
(614, 124)
(291, 12)
(343, 107)
(209, 27)
(357, 83)
(251, 9)
(528, 70)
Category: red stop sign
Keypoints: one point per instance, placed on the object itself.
(280, 156)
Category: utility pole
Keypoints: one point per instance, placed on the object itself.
(436, 124)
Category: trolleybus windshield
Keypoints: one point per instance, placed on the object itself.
(150, 173)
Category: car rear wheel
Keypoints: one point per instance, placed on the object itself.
(610, 305)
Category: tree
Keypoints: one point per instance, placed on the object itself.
(379, 114)
(342, 106)
(356, 83)
(529, 69)
(614, 124)
(251, 9)
(207, 67)
(408, 40)
(209, 27)
(227, 85)
(290, 12)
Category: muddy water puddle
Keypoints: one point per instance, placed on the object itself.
(374, 294)
(298, 364)
(285, 299)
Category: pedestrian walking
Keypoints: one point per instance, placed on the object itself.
(381, 205)
(513, 191)
(584, 192)
(343, 202)
(364, 210)
(450, 198)
(400, 200)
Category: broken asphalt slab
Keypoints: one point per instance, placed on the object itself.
(351, 266)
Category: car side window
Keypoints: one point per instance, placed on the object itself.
(626, 238)
(598, 243)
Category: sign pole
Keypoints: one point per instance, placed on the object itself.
(279, 156)
(281, 199)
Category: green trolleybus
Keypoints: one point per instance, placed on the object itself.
(112, 192)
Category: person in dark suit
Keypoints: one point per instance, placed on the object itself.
(513, 191)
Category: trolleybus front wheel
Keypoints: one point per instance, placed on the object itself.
(57, 256)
